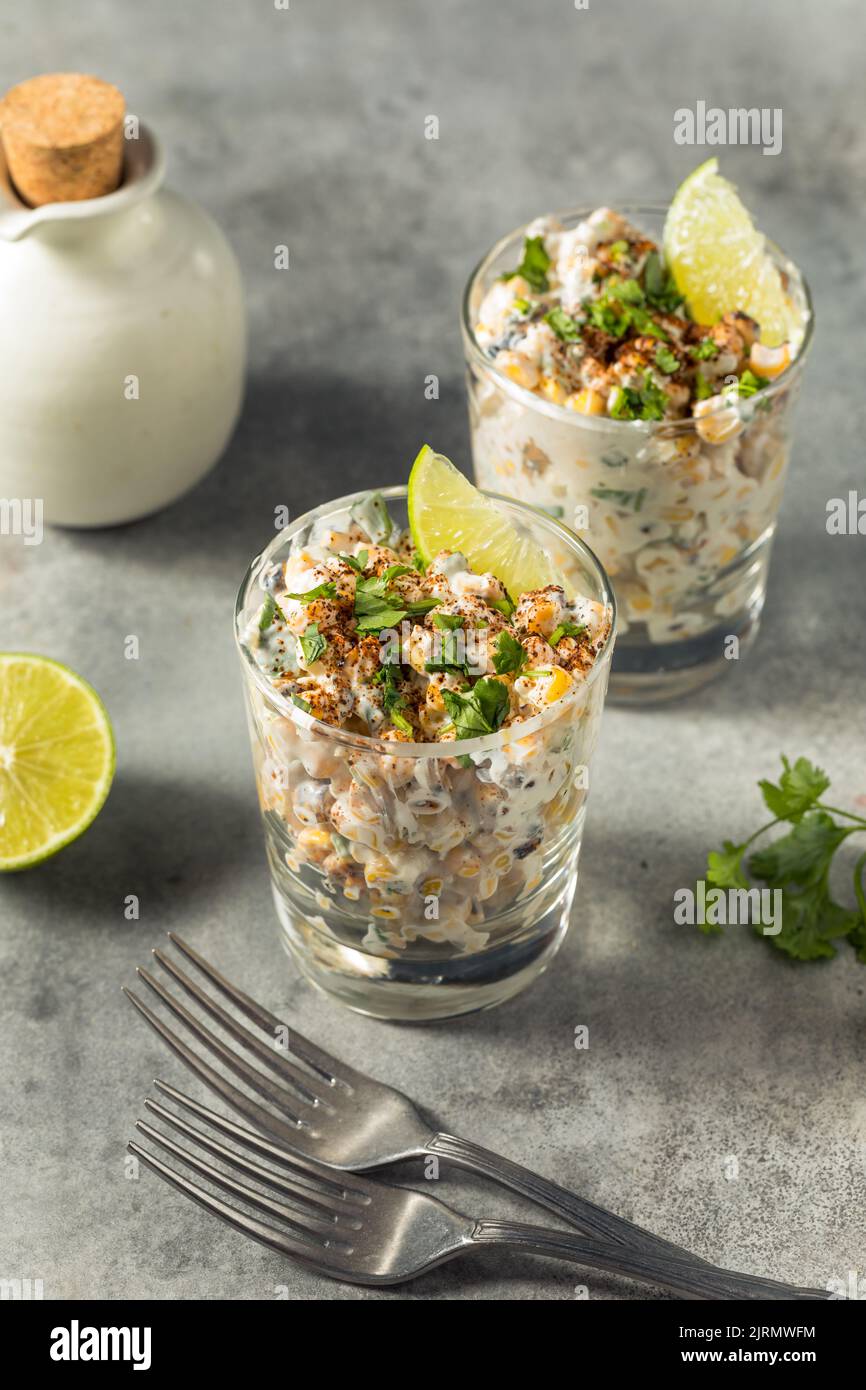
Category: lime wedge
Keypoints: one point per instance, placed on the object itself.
(447, 513)
(719, 259)
(56, 758)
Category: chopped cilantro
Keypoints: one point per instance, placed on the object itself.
(564, 326)
(705, 350)
(392, 699)
(510, 655)
(534, 266)
(502, 605)
(328, 590)
(302, 704)
(312, 644)
(269, 609)
(620, 497)
(661, 290)
(378, 606)
(703, 389)
(482, 710)
(568, 628)
(666, 361)
(617, 249)
(749, 383)
(448, 621)
(357, 562)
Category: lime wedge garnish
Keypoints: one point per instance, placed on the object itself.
(720, 260)
(447, 513)
(56, 758)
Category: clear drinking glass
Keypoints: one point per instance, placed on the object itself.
(682, 525)
(421, 880)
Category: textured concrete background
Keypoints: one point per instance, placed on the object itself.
(306, 127)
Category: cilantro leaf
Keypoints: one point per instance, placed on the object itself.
(447, 621)
(482, 710)
(312, 644)
(659, 284)
(449, 658)
(534, 266)
(749, 383)
(269, 609)
(705, 350)
(725, 866)
(620, 497)
(392, 699)
(811, 920)
(357, 562)
(510, 655)
(703, 389)
(801, 856)
(666, 361)
(502, 605)
(566, 629)
(328, 590)
(302, 704)
(798, 789)
(564, 326)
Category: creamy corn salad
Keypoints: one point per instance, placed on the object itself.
(360, 635)
(591, 321)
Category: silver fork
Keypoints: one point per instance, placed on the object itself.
(332, 1113)
(363, 1231)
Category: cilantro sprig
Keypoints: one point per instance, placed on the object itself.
(392, 698)
(327, 590)
(566, 629)
(481, 710)
(798, 864)
(564, 326)
(510, 655)
(659, 285)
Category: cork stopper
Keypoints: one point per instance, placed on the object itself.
(62, 136)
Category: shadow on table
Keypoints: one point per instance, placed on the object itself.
(170, 843)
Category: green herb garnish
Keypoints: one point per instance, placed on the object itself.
(705, 350)
(378, 606)
(617, 249)
(666, 361)
(703, 389)
(564, 326)
(450, 658)
(502, 605)
(357, 562)
(269, 609)
(799, 864)
(510, 655)
(749, 383)
(482, 710)
(447, 621)
(392, 700)
(659, 284)
(649, 403)
(328, 590)
(312, 644)
(302, 704)
(534, 266)
(568, 628)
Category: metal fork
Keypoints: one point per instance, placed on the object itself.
(329, 1112)
(363, 1231)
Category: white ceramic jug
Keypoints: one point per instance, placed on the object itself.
(122, 347)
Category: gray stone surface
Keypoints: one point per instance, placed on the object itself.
(306, 127)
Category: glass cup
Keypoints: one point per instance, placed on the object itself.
(681, 513)
(422, 880)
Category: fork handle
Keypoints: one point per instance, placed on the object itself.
(568, 1206)
(684, 1277)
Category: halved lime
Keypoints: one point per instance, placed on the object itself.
(447, 513)
(720, 260)
(56, 758)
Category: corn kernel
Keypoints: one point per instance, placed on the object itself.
(769, 361)
(586, 402)
(432, 887)
(560, 681)
(716, 423)
(552, 389)
(389, 914)
(315, 839)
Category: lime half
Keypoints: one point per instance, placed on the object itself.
(56, 758)
(720, 260)
(447, 513)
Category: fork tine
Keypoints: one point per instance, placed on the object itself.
(303, 1220)
(327, 1205)
(348, 1186)
(312, 1255)
(300, 1080)
(256, 1080)
(331, 1068)
(254, 1112)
